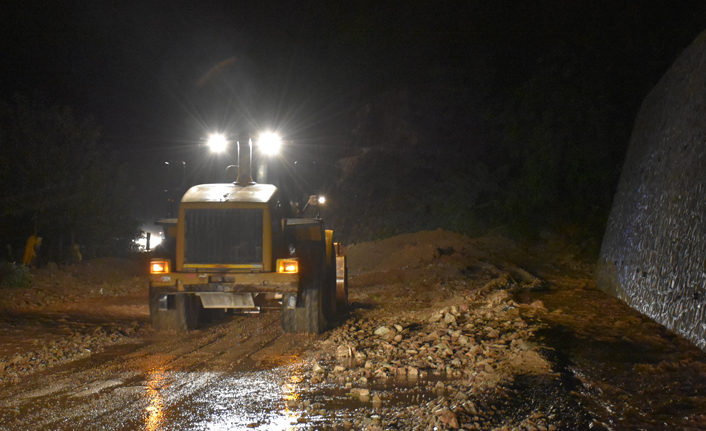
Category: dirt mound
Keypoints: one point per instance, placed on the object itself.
(432, 266)
(104, 268)
(96, 278)
(412, 250)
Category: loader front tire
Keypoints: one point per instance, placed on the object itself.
(181, 315)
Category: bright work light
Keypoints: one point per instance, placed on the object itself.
(269, 143)
(217, 142)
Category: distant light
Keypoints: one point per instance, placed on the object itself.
(269, 143)
(217, 142)
(155, 240)
(322, 200)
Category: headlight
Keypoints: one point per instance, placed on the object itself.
(269, 143)
(159, 266)
(288, 266)
(217, 142)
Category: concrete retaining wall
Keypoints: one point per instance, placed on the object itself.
(653, 254)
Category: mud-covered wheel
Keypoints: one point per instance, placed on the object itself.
(312, 300)
(289, 307)
(310, 317)
(175, 311)
(329, 300)
(341, 285)
(211, 315)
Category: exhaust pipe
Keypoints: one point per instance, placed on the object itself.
(244, 164)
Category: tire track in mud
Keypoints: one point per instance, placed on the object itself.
(118, 388)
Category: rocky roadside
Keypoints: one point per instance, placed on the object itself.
(73, 341)
(61, 317)
(473, 366)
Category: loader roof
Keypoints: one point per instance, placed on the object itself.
(229, 192)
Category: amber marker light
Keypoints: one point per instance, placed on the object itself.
(159, 266)
(287, 266)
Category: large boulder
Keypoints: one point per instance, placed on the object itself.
(654, 250)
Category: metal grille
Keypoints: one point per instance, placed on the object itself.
(223, 236)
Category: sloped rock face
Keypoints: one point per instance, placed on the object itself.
(653, 254)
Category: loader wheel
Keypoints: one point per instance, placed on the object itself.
(305, 317)
(289, 307)
(309, 314)
(329, 299)
(310, 317)
(176, 311)
(211, 315)
(342, 287)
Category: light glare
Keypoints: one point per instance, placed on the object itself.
(269, 143)
(155, 240)
(217, 142)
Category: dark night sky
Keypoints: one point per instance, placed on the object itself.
(162, 73)
(136, 66)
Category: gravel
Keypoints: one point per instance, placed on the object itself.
(453, 367)
(81, 341)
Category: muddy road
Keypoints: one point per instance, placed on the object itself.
(214, 378)
(444, 332)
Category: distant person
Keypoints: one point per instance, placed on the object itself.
(31, 250)
(76, 254)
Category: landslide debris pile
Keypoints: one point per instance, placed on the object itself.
(431, 266)
(436, 341)
(449, 367)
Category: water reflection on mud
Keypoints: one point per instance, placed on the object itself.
(155, 408)
(257, 400)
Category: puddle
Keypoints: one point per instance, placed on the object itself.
(393, 393)
(219, 401)
(273, 399)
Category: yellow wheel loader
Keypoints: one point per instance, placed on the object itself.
(238, 248)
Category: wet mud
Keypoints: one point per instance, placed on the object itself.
(627, 371)
(484, 336)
